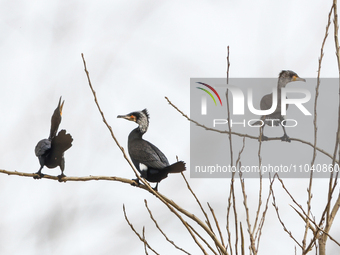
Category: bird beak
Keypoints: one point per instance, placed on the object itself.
(127, 117)
(60, 106)
(297, 78)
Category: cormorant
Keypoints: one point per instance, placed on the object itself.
(285, 77)
(51, 151)
(147, 158)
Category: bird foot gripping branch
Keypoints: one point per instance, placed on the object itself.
(136, 182)
(146, 157)
(50, 152)
(285, 138)
(38, 175)
(60, 177)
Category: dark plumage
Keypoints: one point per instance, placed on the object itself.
(51, 151)
(285, 77)
(147, 158)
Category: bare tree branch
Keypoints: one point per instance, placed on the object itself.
(67, 178)
(260, 189)
(228, 115)
(160, 230)
(145, 249)
(242, 240)
(246, 135)
(264, 213)
(216, 223)
(198, 202)
(204, 241)
(111, 131)
(169, 203)
(280, 220)
(319, 229)
(331, 213)
(249, 228)
(139, 236)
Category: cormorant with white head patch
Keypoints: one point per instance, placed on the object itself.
(147, 158)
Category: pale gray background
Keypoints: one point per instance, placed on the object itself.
(137, 52)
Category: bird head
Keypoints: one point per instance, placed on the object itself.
(287, 76)
(140, 117)
(56, 118)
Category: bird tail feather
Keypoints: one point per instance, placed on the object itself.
(176, 167)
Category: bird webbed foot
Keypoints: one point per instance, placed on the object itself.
(62, 175)
(264, 138)
(285, 138)
(38, 175)
(136, 182)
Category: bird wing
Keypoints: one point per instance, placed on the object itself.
(42, 147)
(148, 154)
(62, 141)
(266, 102)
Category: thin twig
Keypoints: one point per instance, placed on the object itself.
(246, 135)
(289, 194)
(110, 129)
(315, 134)
(260, 189)
(231, 195)
(307, 218)
(261, 223)
(203, 239)
(279, 218)
(229, 125)
(331, 213)
(201, 207)
(145, 248)
(337, 51)
(199, 203)
(169, 203)
(160, 230)
(231, 152)
(216, 223)
(322, 219)
(312, 243)
(245, 203)
(139, 236)
(232, 200)
(242, 240)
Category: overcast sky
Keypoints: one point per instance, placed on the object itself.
(137, 53)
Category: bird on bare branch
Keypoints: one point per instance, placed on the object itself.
(50, 152)
(147, 158)
(276, 117)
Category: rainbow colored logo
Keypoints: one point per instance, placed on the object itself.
(213, 90)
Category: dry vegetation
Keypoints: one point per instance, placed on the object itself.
(241, 234)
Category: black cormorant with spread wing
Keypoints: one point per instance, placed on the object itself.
(51, 151)
(147, 158)
(276, 117)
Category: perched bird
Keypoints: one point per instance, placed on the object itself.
(147, 158)
(51, 151)
(276, 118)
